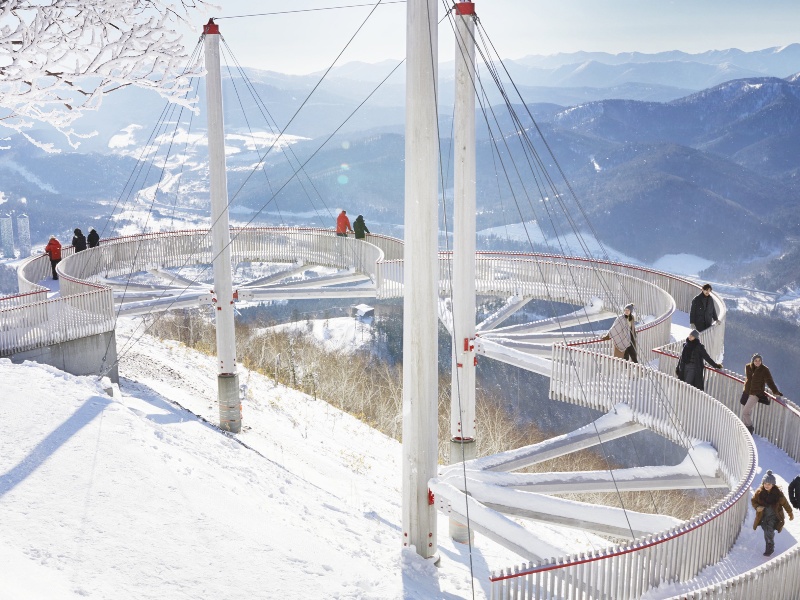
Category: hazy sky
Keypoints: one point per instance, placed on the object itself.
(309, 41)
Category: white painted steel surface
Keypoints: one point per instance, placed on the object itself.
(230, 406)
(420, 351)
(220, 230)
(462, 305)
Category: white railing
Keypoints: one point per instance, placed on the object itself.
(28, 321)
(86, 307)
(679, 412)
(31, 326)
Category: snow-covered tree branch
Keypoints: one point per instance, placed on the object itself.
(58, 58)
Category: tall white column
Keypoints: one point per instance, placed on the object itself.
(420, 452)
(462, 398)
(230, 408)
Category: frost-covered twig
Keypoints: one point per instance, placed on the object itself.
(59, 58)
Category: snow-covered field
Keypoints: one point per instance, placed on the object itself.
(138, 496)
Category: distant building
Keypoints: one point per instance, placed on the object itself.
(362, 311)
(7, 236)
(24, 235)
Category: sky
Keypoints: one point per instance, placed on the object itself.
(307, 42)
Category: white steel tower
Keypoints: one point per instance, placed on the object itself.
(230, 407)
(420, 452)
(462, 403)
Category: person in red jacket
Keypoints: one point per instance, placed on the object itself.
(343, 224)
(53, 250)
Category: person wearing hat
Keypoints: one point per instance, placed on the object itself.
(53, 250)
(703, 313)
(623, 335)
(78, 240)
(770, 503)
(690, 366)
(757, 377)
(360, 227)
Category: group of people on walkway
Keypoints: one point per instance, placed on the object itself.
(769, 502)
(693, 358)
(358, 228)
(80, 243)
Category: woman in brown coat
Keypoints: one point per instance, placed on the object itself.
(757, 377)
(770, 503)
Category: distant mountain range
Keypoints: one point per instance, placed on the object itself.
(658, 167)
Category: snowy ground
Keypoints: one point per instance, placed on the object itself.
(135, 497)
(341, 334)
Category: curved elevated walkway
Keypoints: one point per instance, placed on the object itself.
(579, 364)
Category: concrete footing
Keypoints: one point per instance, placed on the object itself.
(85, 356)
(461, 450)
(230, 405)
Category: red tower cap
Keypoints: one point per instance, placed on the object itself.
(465, 8)
(211, 27)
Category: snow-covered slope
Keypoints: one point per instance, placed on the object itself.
(134, 496)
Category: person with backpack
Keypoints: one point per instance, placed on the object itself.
(691, 365)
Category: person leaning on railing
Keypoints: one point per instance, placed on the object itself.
(53, 250)
(757, 377)
(690, 366)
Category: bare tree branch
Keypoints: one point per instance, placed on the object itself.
(58, 58)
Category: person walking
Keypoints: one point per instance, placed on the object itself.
(770, 503)
(794, 492)
(691, 366)
(343, 224)
(93, 239)
(360, 227)
(703, 313)
(623, 334)
(757, 377)
(78, 240)
(53, 250)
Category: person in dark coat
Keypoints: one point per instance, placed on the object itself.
(794, 492)
(53, 250)
(360, 227)
(703, 313)
(78, 241)
(691, 366)
(756, 377)
(93, 239)
(770, 503)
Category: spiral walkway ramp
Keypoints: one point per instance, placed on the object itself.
(489, 493)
